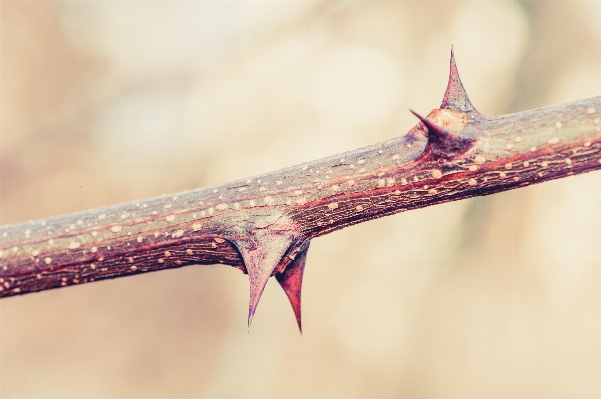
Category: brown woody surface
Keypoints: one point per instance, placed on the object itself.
(260, 224)
(496, 296)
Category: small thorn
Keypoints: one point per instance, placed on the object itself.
(291, 281)
(261, 255)
(442, 142)
(433, 129)
(456, 97)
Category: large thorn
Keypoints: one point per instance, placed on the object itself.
(442, 142)
(456, 97)
(261, 256)
(291, 281)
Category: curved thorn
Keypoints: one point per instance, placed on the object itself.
(456, 97)
(261, 256)
(442, 142)
(291, 281)
(433, 129)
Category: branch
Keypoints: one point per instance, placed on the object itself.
(263, 225)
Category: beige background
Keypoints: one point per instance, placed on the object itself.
(105, 102)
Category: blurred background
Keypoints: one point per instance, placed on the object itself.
(107, 101)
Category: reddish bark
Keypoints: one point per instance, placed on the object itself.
(263, 225)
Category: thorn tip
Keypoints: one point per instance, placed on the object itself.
(291, 281)
(262, 252)
(455, 96)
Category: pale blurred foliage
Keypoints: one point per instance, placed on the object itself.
(105, 102)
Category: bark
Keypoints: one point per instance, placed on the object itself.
(263, 225)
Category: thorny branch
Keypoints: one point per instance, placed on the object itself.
(263, 225)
